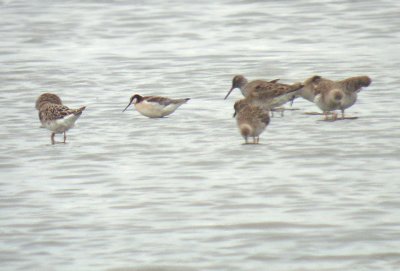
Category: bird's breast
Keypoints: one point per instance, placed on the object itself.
(150, 109)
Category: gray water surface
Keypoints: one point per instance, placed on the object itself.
(183, 193)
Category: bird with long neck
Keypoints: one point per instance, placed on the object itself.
(155, 106)
(268, 94)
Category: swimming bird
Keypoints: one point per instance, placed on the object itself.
(332, 95)
(56, 117)
(155, 106)
(269, 94)
(251, 120)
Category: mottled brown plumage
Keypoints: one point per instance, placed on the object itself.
(331, 95)
(251, 120)
(47, 97)
(269, 94)
(56, 117)
(50, 112)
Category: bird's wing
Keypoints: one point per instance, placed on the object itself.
(165, 101)
(160, 100)
(268, 90)
(54, 112)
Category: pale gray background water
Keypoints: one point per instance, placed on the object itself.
(182, 193)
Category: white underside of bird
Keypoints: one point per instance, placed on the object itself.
(61, 125)
(346, 101)
(156, 110)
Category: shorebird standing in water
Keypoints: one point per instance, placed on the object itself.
(268, 94)
(251, 120)
(332, 95)
(50, 97)
(56, 117)
(155, 106)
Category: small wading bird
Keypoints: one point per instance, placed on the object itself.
(331, 95)
(268, 94)
(251, 120)
(56, 117)
(155, 106)
(50, 97)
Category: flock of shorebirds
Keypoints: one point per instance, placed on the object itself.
(252, 113)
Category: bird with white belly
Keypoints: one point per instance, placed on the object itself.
(56, 117)
(268, 94)
(155, 106)
(331, 95)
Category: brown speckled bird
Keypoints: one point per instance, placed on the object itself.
(48, 97)
(331, 95)
(56, 117)
(268, 94)
(251, 120)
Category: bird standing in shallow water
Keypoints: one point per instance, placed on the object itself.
(332, 95)
(268, 94)
(251, 120)
(49, 97)
(56, 117)
(155, 106)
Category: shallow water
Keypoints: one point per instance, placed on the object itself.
(183, 193)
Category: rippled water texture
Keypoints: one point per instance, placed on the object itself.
(183, 193)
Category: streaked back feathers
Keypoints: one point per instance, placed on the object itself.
(355, 83)
(47, 98)
(50, 111)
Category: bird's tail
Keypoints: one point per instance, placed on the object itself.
(289, 95)
(296, 86)
(181, 101)
(79, 111)
(245, 130)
